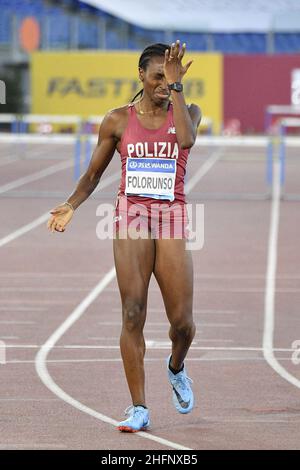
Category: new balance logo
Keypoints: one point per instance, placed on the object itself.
(184, 404)
(171, 130)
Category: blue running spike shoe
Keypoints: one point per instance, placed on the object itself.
(183, 397)
(138, 419)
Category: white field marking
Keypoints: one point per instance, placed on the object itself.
(43, 218)
(51, 170)
(42, 371)
(201, 172)
(9, 337)
(41, 357)
(268, 333)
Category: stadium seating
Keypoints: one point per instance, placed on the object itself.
(287, 42)
(59, 17)
(240, 43)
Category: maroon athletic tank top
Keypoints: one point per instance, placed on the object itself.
(140, 142)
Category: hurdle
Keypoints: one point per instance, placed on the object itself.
(278, 144)
(285, 124)
(279, 110)
(82, 153)
(11, 119)
(287, 116)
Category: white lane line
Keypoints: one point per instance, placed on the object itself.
(43, 218)
(51, 170)
(203, 170)
(268, 333)
(24, 229)
(42, 371)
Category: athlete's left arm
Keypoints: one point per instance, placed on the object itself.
(186, 119)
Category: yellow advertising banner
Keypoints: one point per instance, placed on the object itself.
(92, 83)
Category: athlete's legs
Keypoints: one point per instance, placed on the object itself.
(134, 260)
(174, 273)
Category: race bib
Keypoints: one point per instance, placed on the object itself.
(151, 177)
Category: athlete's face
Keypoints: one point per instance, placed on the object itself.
(154, 81)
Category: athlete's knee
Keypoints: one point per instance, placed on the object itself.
(183, 325)
(133, 314)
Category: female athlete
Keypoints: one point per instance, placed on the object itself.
(153, 134)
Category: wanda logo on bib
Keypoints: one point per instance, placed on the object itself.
(151, 177)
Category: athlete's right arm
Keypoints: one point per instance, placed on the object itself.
(102, 155)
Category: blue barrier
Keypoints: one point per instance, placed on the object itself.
(77, 158)
(15, 126)
(269, 172)
(88, 152)
(83, 147)
(282, 154)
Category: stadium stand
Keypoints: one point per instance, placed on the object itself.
(74, 24)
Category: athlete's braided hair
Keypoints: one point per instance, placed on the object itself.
(153, 50)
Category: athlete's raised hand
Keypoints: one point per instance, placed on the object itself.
(173, 68)
(61, 216)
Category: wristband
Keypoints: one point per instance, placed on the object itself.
(70, 205)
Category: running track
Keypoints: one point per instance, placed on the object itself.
(63, 385)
